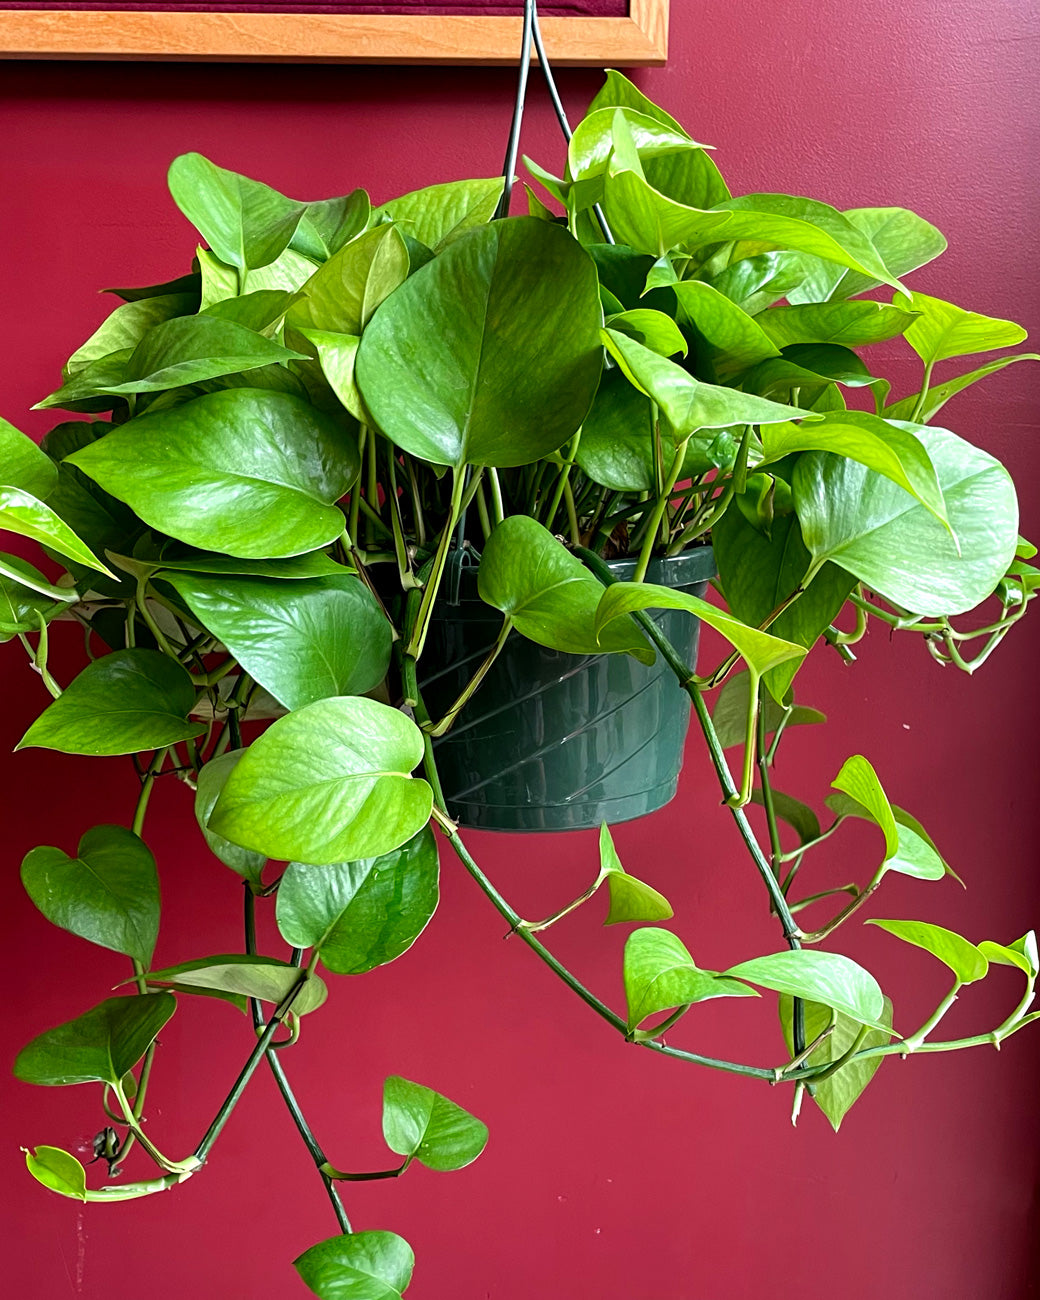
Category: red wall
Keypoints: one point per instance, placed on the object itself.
(611, 1173)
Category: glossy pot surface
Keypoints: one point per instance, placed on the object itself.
(553, 741)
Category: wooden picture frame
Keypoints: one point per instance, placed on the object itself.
(639, 39)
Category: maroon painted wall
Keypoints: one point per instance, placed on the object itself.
(610, 1173)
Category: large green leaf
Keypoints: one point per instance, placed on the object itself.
(595, 140)
(944, 330)
(650, 222)
(660, 974)
(836, 1096)
(966, 961)
(489, 354)
(360, 915)
(630, 899)
(827, 977)
(759, 650)
(343, 293)
(174, 354)
(127, 326)
(872, 528)
(940, 394)
(245, 471)
(264, 978)
(730, 710)
(654, 329)
(22, 513)
(439, 214)
(852, 324)
(426, 1126)
(359, 1266)
(685, 402)
(108, 893)
(246, 223)
(904, 240)
(755, 283)
(99, 1046)
(23, 464)
(123, 703)
(618, 92)
(209, 783)
(328, 224)
(547, 594)
(329, 783)
(888, 449)
(302, 640)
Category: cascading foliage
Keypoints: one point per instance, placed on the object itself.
(277, 461)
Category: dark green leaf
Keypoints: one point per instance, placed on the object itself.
(425, 1125)
(108, 893)
(548, 594)
(123, 703)
(361, 1266)
(360, 915)
(799, 816)
(329, 783)
(99, 1046)
(734, 339)
(489, 354)
(302, 640)
(247, 472)
(730, 710)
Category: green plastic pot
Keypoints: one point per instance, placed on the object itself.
(553, 741)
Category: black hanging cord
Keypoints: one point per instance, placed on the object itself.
(532, 31)
(513, 146)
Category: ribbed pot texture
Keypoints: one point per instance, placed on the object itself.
(553, 741)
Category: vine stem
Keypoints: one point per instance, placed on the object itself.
(282, 1081)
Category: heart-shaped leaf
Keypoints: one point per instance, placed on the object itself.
(836, 1096)
(630, 899)
(915, 853)
(904, 240)
(660, 974)
(439, 214)
(360, 915)
(245, 471)
(108, 893)
(828, 977)
(246, 223)
(869, 526)
(99, 1046)
(548, 594)
(685, 402)
(423, 1124)
(328, 783)
(209, 783)
(799, 816)
(489, 354)
(303, 640)
(360, 1266)
(123, 703)
(944, 330)
(759, 650)
(127, 325)
(734, 339)
(966, 961)
(263, 978)
(858, 779)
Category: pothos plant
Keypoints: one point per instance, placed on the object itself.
(277, 458)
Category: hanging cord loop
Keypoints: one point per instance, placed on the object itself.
(532, 32)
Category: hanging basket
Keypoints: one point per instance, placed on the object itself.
(554, 741)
